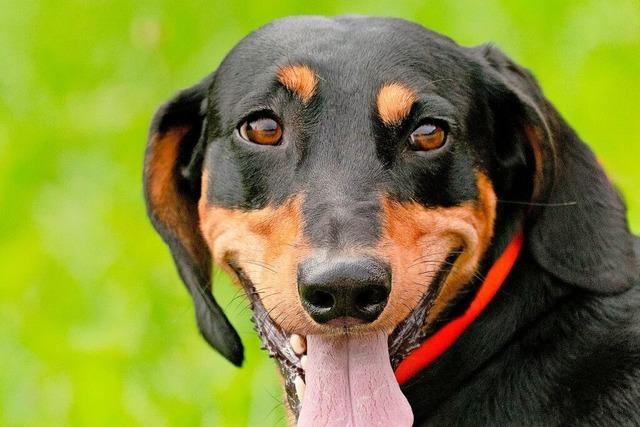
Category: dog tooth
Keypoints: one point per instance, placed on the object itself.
(303, 362)
(300, 386)
(298, 344)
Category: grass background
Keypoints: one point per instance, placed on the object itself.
(95, 327)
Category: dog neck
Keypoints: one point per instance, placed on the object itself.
(527, 295)
(446, 336)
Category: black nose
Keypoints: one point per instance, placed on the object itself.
(354, 287)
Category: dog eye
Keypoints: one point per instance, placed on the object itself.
(428, 136)
(262, 130)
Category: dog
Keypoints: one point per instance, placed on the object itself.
(422, 237)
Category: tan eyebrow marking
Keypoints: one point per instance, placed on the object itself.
(299, 79)
(394, 103)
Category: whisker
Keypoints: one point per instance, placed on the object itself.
(259, 264)
(438, 253)
(525, 203)
(279, 403)
(430, 261)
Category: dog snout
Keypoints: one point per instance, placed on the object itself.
(351, 290)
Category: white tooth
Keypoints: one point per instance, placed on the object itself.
(303, 362)
(298, 344)
(300, 386)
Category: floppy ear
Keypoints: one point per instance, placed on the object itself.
(172, 176)
(579, 231)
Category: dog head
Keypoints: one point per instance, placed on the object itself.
(355, 175)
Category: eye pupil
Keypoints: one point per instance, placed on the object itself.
(428, 136)
(264, 131)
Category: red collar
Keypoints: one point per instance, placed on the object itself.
(439, 342)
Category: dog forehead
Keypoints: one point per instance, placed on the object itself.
(358, 50)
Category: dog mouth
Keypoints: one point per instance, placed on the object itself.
(321, 367)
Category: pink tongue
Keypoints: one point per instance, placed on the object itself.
(350, 383)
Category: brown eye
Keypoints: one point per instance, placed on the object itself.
(264, 131)
(428, 136)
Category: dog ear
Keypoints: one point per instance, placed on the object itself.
(172, 177)
(578, 229)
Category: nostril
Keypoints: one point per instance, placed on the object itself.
(320, 299)
(372, 298)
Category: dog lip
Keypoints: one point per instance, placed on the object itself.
(274, 340)
(411, 332)
(406, 336)
(345, 322)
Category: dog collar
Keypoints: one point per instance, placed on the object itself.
(444, 338)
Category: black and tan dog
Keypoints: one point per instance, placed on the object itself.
(395, 203)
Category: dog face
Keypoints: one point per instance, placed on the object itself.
(348, 173)
(319, 169)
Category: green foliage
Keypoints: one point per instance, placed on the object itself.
(96, 329)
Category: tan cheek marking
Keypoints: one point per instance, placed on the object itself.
(417, 240)
(484, 213)
(268, 245)
(394, 103)
(299, 79)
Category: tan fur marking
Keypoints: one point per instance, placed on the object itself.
(394, 103)
(416, 241)
(464, 269)
(268, 245)
(299, 79)
(167, 205)
(160, 175)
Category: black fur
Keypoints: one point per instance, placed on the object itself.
(560, 343)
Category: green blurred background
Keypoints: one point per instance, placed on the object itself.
(95, 327)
